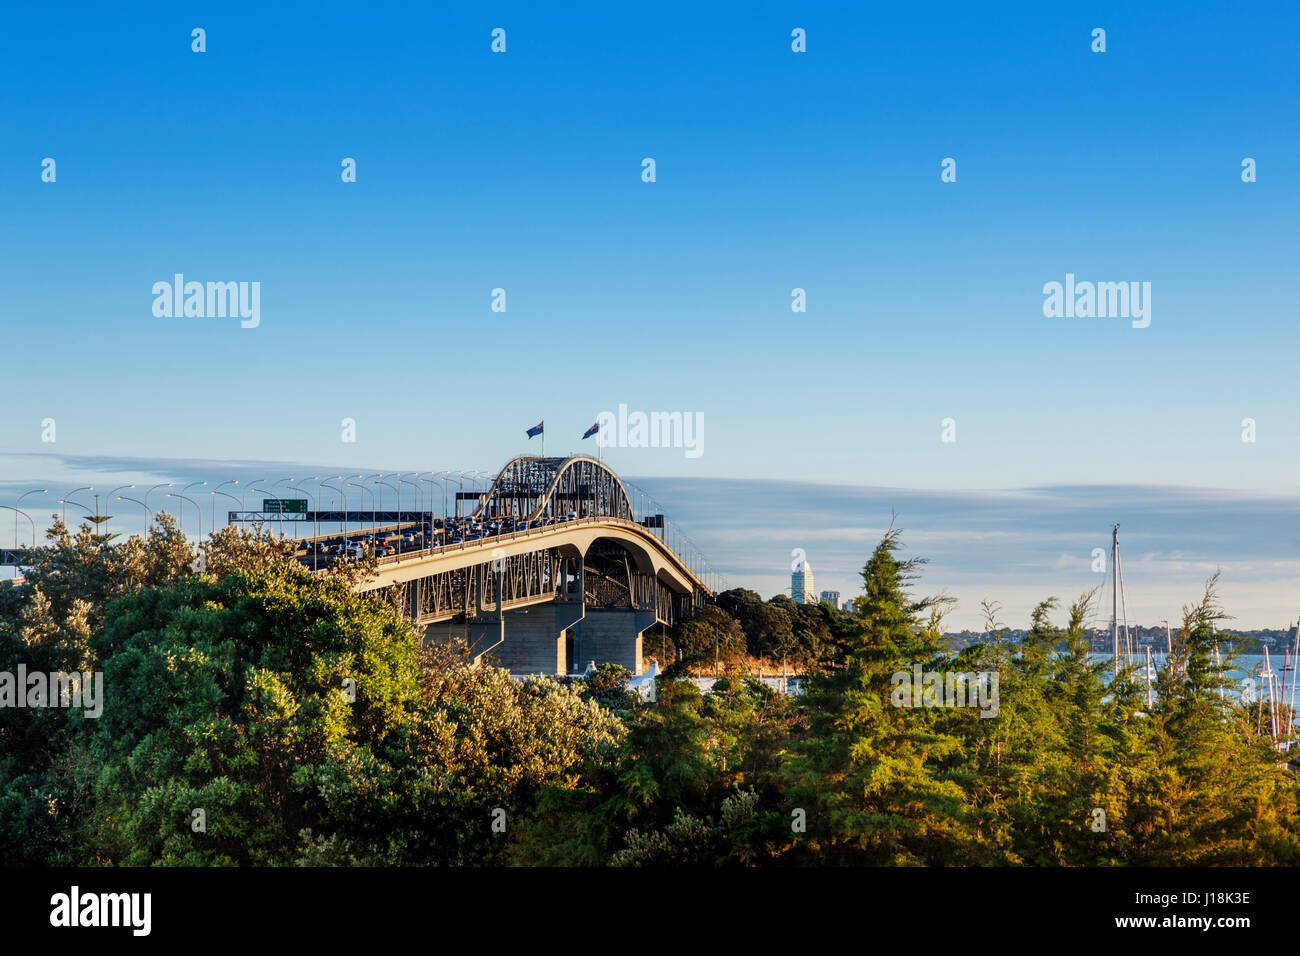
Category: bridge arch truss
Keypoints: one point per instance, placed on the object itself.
(530, 488)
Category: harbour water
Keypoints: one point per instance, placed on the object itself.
(1239, 667)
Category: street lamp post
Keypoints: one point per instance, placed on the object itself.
(363, 501)
(165, 484)
(224, 494)
(184, 491)
(18, 512)
(110, 496)
(232, 481)
(316, 507)
(243, 498)
(365, 490)
(40, 491)
(274, 495)
(398, 489)
(64, 500)
(314, 499)
(460, 477)
(375, 478)
(343, 497)
(433, 477)
(141, 504)
(486, 479)
(197, 509)
(419, 496)
(243, 519)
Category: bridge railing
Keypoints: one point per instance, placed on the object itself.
(645, 508)
(691, 561)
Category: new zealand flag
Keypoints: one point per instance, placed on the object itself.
(536, 429)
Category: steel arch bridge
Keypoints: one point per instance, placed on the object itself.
(581, 579)
(531, 488)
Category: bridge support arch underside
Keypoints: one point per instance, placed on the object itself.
(590, 596)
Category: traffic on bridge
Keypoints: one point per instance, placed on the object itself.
(554, 564)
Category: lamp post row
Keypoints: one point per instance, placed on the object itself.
(443, 479)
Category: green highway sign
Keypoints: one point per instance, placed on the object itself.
(285, 506)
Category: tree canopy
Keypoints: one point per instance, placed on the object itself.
(257, 713)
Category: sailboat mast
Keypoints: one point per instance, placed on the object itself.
(1218, 662)
(1272, 700)
(1150, 703)
(1114, 596)
(1296, 658)
(1281, 699)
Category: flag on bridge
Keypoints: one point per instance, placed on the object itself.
(591, 431)
(536, 429)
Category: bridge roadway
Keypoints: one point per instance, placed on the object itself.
(547, 596)
(648, 550)
(541, 599)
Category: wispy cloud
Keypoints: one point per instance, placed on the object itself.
(1017, 546)
(1013, 545)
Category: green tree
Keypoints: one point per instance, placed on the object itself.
(870, 774)
(709, 633)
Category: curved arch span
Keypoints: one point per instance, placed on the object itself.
(529, 488)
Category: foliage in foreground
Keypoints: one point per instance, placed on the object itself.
(309, 726)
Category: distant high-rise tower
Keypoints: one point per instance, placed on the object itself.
(831, 597)
(801, 584)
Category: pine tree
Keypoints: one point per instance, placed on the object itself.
(868, 772)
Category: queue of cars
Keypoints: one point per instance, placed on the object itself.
(442, 531)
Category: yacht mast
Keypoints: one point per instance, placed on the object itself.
(1114, 596)
(1295, 658)
(1150, 701)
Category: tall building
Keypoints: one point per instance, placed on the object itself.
(801, 585)
(831, 597)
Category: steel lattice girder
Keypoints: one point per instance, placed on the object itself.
(531, 487)
(608, 580)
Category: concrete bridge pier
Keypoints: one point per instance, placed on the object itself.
(480, 634)
(533, 640)
(612, 634)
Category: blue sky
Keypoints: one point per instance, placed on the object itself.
(775, 170)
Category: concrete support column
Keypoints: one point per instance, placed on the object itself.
(534, 638)
(480, 634)
(615, 635)
(531, 642)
